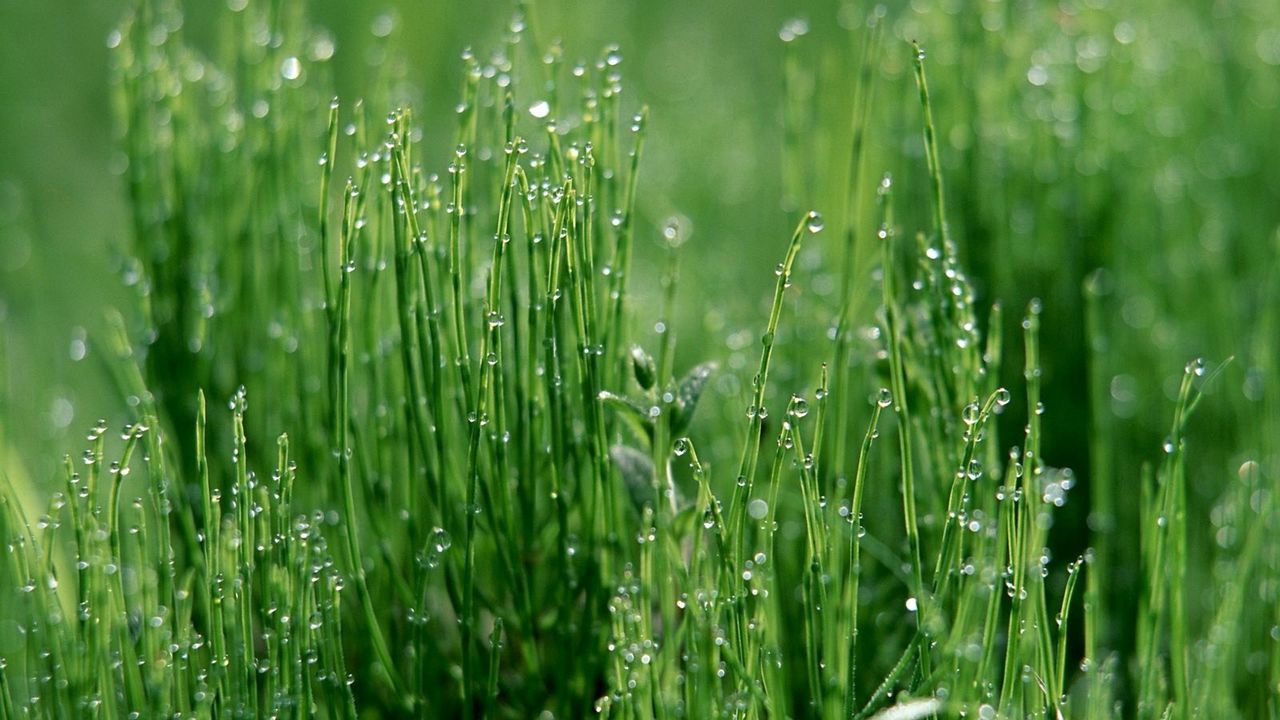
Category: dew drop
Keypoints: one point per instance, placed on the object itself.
(799, 407)
(440, 540)
(792, 29)
(814, 222)
(291, 68)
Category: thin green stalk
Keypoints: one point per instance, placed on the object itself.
(862, 101)
(343, 449)
(898, 387)
(620, 265)
(931, 152)
(1102, 494)
(327, 161)
(1074, 571)
(853, 594)
(756, 411)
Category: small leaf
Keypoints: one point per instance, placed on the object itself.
(632, 412)
(636, 469)
(643, 366)
(687, 514)
(690, 390)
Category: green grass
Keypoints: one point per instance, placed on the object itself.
(411, 433)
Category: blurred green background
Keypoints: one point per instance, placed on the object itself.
(1137, 137)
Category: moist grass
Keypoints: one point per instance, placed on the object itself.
(410, 436)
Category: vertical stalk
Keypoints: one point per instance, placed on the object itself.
(756, 412)
(898, 384)
(342, 442)
(855, 552)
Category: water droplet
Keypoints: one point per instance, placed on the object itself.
(1247, 469)
(291, 68)
(758, 509)
(884, 398)
(440, 540)
(974, 471)
(799, 407)
(814, 222)
(383, 24)
(792, 29)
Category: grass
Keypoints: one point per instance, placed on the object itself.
(479, 478)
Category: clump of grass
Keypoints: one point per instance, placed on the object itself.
(509, 466)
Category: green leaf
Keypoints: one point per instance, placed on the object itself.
(687, 515)
(643, 366)
(630, 411)
(687, 395)
(636, 469)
